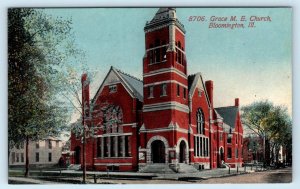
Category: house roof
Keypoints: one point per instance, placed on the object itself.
(135, 83)
(229, 114)
(193, 83)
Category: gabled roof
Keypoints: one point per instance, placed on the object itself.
(229, 114)
(135, 83)
(193, 82)
(131, 83)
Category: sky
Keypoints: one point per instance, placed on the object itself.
(248, 63)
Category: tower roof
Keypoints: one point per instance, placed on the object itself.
(164, 16)
(163, 13)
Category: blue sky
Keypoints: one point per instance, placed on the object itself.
(252, 64)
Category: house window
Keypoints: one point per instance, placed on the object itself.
(229, 139)
(236, 153)
(157, 51)
(164, 51)
(112, 88)
(207, 149)
(127, 146)
(199, 92)
(200, 122)
(22, 145)
(22, 157)
(184, 93)
(229, 155)
(13, 157)
(201, 146)
(163, 90)
(150, 90)
(17, 156)
(221, 136)
(50, 144)
(236, 139)
(37, 145)
(99, 147)
(151, 54)
(195, 146)
(178, 90)
(37, 157)
(49, 157)
(115, 144)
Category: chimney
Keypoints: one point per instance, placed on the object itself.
(85, 94)
(209, 85)
(237, 102)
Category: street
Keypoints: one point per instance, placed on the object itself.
(271, 176)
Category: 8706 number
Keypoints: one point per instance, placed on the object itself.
(196, 18)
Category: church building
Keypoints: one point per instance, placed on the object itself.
(166, 118)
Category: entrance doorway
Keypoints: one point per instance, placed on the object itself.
(221, 156)
(182, 152)
(77, 155)
(158, 151)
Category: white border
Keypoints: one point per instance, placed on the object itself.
(4, 4)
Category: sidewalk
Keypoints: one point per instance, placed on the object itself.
(204, 174)
(24, 180)
(64, 175)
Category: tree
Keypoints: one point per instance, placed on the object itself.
(271, 123)
(38, 47)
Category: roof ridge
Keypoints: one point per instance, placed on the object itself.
(194, 74)
(118, 70)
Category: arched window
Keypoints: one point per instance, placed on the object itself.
(157, 51)
(164, 51)
(200, 122)
(151, 54)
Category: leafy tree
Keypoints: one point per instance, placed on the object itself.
(38, 47)
(271, 123)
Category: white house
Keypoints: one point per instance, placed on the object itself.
(45, 152)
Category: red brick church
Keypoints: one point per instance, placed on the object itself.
(167, 118)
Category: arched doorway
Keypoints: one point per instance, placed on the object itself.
(182, 152)
(221, 156)
(77, 155)
(158, 151)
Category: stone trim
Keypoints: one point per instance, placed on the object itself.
(166, 106)
(186, 151)
(166, 81)
(148, 148)
(113, 134)
(165, 70)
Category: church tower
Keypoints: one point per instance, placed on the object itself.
(164, 133)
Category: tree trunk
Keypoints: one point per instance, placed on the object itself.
(267, 152)
(83, 158)
(27, 158)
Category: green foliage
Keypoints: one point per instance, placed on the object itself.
(39, 47)
(270, 122)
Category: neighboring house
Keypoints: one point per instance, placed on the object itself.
(45, 152)
(168, 117)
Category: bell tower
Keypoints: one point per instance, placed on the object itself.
(165, 110)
